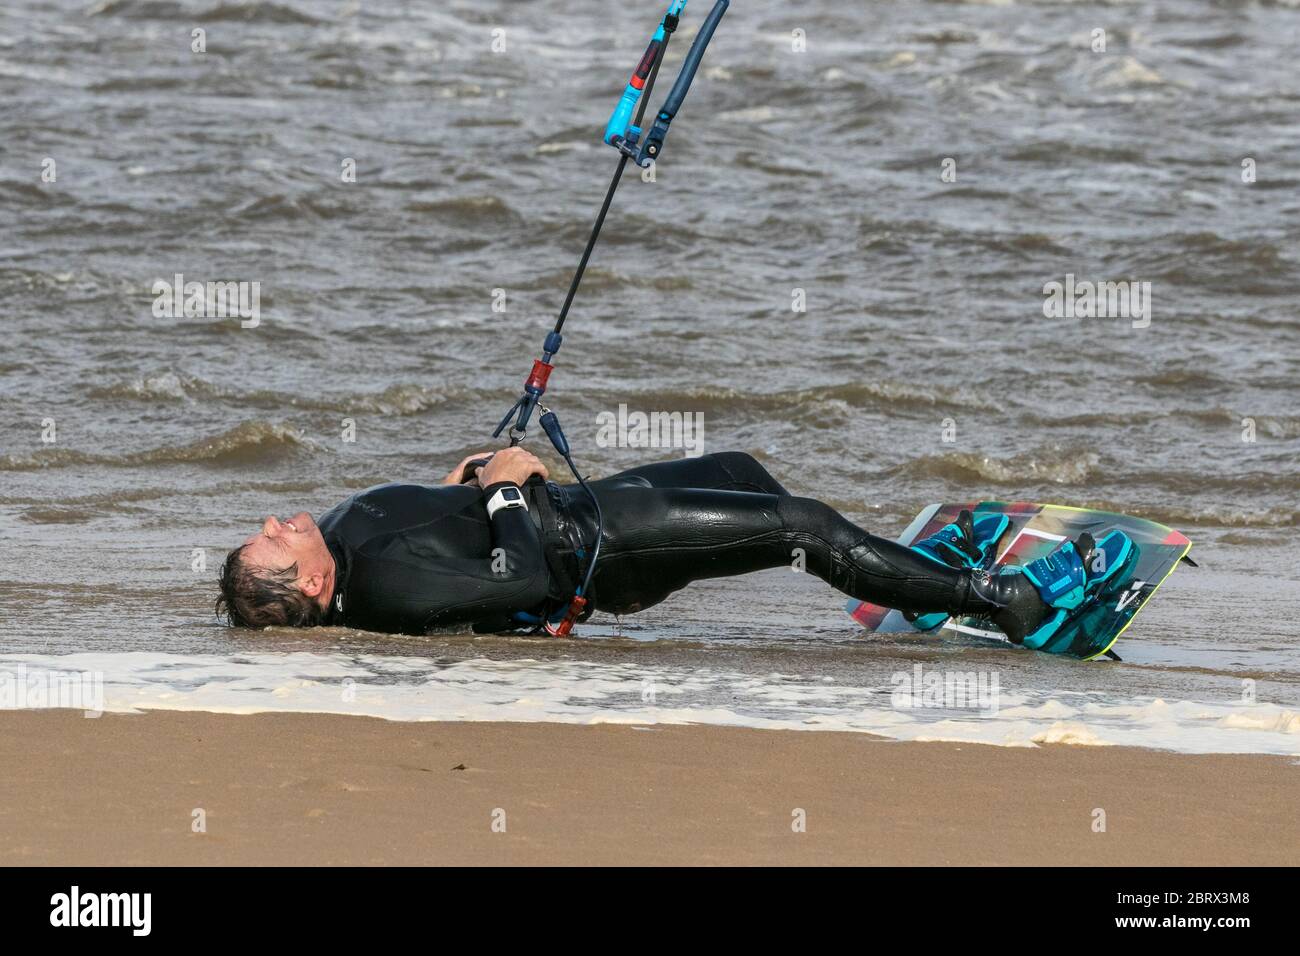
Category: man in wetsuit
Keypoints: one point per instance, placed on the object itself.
(501, 546)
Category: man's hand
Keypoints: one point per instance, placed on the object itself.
(454, 476)
(511, 464)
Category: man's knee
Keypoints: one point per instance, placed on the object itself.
(739, 461)
(746, 473)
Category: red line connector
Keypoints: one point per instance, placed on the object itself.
(575, 610)
(538, 376)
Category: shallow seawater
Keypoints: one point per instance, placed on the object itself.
(135, 449)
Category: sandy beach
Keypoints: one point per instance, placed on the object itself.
(319, 789)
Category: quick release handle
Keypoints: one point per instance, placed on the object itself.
(655, 138)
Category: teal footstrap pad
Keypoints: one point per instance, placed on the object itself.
(1071, 588)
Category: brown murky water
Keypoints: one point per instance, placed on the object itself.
(818, 171)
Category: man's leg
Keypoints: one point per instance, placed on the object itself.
(724, 471)
(658, 540)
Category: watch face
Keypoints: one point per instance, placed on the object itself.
(510, 494)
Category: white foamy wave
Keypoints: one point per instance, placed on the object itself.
(583, 692)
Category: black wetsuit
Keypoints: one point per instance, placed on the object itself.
(415, 558)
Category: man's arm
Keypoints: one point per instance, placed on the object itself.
(514, 576)
(416, 580)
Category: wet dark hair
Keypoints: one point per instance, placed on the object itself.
(263, 597)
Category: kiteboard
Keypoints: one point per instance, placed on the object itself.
(1035, 530)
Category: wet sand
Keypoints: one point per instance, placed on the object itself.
(319, 789)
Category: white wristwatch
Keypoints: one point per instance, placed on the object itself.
(507, 497)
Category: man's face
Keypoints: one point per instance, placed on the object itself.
(293, 540)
